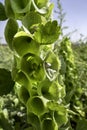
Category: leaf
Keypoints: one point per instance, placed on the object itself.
(48, 33)
(10, 30)
(82, 125)
(23, 43)
(21, 6)
(6, 82)
(2, 12)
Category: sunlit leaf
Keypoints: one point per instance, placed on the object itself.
(6, 82)
(10, 30)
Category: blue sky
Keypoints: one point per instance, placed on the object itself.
(76, 17)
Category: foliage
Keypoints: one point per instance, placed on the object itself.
(6, 57)
(44, 72)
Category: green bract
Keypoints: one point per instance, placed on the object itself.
(23, 94)
(36, 105)
(49, 89)
(23, 43)
(48, 33)
(31, 21)
(20, 6)
(32, 67)
(51, 65)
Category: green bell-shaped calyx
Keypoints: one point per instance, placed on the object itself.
(51, 65)
(20, 6)
(22, 92)
(34, 121)
(49, 90)
(23, 43)
(49, 124)
(60, 112)
(31, 21)
(48, 33)
(32, 67)
(36, 105)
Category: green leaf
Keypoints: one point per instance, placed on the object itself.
(23, 43)
(6, 82)
(82, 125)
(2, 12)
(32, 67)
(48, 33)
(8, 9)
(10, 30)
(31, 20)
(21, 6)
